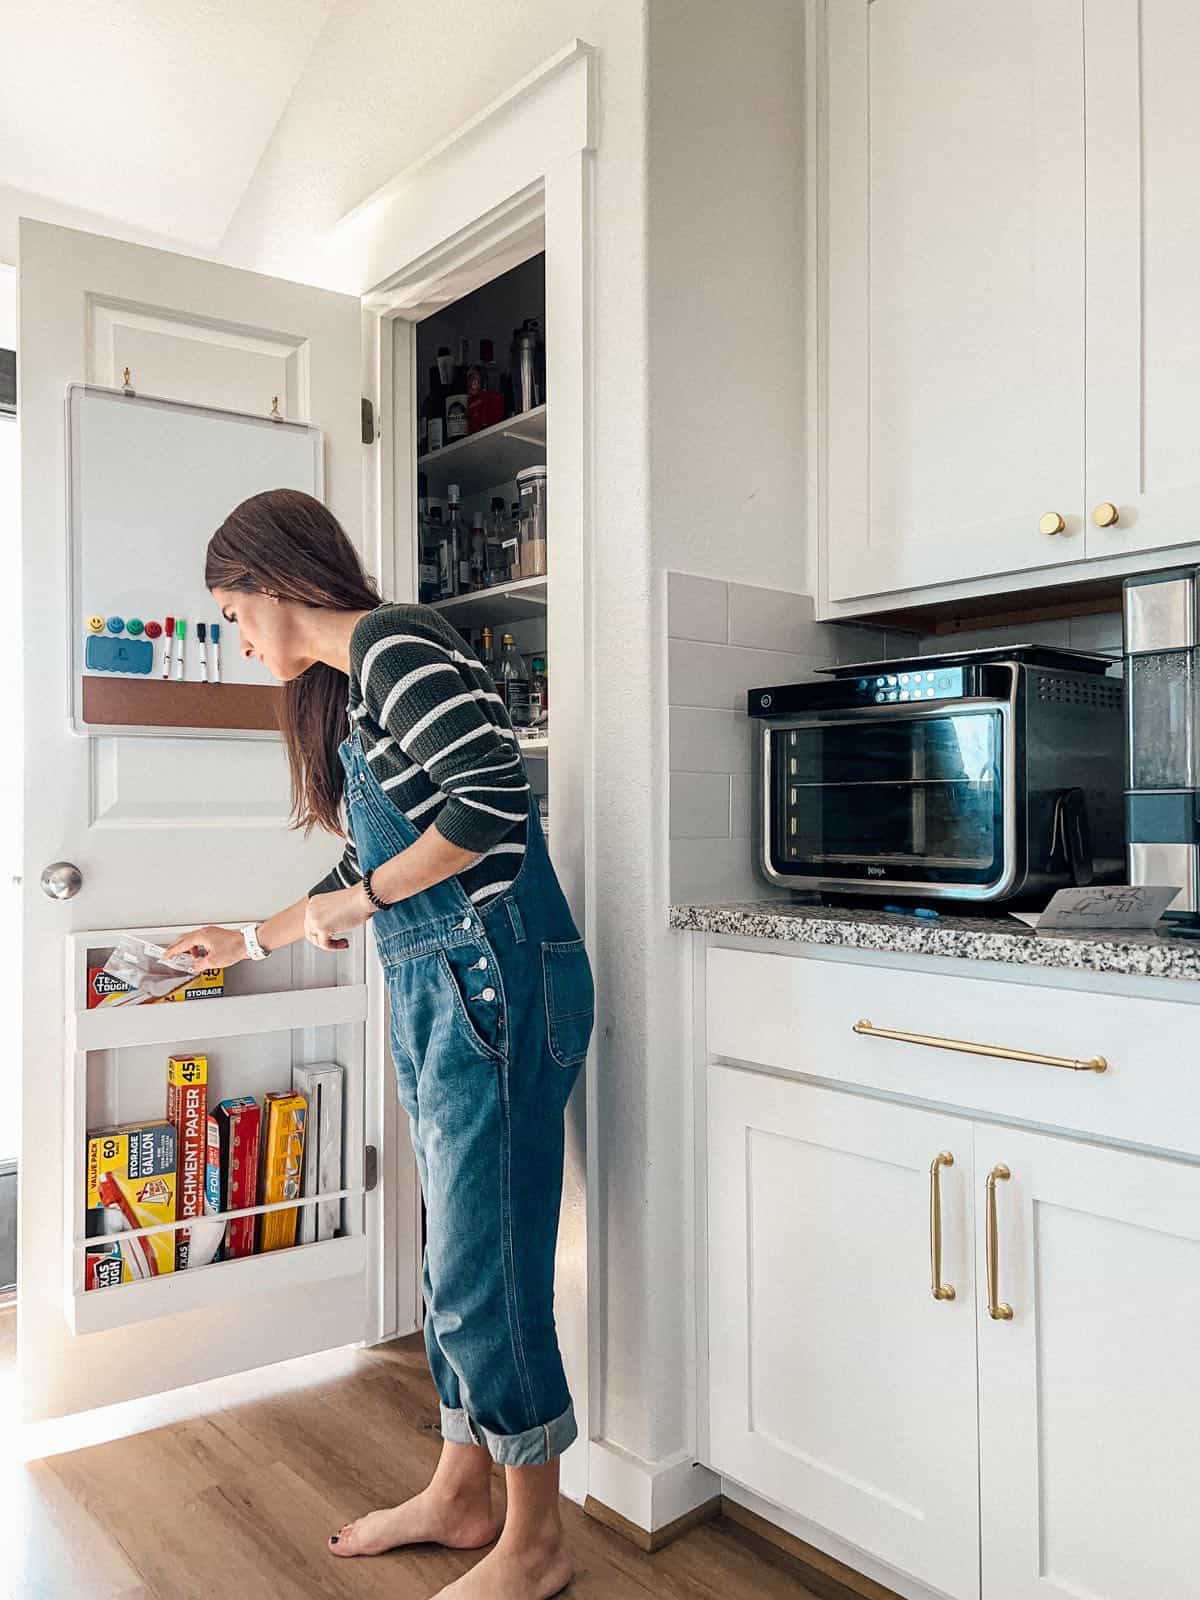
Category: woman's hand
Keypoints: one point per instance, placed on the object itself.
(210, 947)
(327, 916)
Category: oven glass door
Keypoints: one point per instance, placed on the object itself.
(917, 799)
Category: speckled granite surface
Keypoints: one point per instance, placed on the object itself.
(1138, 955)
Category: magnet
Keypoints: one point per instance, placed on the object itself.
(153, 630)
(96, 624)
(135, 626)
(116, 624)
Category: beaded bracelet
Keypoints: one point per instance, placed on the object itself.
(380, 905)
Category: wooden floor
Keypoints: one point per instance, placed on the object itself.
(241, 1500)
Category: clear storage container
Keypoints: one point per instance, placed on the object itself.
(531, 485)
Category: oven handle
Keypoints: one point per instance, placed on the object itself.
(996, 1051)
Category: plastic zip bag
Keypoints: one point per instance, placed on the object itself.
(142, 965)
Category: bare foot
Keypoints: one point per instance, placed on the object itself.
(509, 1572)
(458, 1522)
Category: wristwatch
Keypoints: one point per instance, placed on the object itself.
(250, 939)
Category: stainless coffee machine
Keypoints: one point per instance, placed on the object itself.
(1162, 681)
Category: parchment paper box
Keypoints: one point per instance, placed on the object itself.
(321, 1085)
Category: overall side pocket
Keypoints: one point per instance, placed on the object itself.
(570, 1000)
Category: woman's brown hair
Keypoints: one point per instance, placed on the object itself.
(285, 543)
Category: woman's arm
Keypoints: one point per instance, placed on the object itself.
(224, 947)
(429, 860)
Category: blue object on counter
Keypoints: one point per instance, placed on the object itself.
(106, 654)
(924, 912)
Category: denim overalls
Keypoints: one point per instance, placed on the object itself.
(491, 1014)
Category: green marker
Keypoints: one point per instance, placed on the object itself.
(181, 635)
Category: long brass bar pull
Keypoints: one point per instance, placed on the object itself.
(941, 1291)
(998, 1051)
(997, 1310)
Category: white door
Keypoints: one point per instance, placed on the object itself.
(1143, 308)
(169, 833)
(839, 1387)
(1088, 1406)
(954, 289)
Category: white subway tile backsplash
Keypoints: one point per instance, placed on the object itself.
(700, 805)
(697, 608)
(741, 786)
(719, 675)
(703, 740)
(707, 870)
(771, 619)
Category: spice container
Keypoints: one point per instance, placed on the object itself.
(531, 485)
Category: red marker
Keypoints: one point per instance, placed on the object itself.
(168, 635)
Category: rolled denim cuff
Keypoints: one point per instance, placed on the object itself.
(529, 1449)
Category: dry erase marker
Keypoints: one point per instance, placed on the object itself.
(181, 635)
(202, 641)
(168, 635)
(215, 635)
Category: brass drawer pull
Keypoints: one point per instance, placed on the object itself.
(941, 1291)
(998, 1311)
(997, 1051)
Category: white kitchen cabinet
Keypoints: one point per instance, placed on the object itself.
(1010, 262)
(954, 290)
(1088, 1408)
(1143, 273)
(1047, 1454)
(840, 1386)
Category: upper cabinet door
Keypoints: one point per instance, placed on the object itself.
(953, 269)
(1143, 306)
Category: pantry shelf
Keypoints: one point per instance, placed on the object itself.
(118, 1027)
(522, 601)
(492, 456)
(220, 1283)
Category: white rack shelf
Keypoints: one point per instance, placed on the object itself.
(175, 1022)
(218, 1283)
(493, 456)
(522, 601)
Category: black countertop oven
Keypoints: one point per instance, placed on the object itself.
(987, 775)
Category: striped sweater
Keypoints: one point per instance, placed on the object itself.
(437, 737)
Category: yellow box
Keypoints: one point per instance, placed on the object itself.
(285, 1114)
(131, 1180)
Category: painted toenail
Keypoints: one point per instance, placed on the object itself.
(333, 1539)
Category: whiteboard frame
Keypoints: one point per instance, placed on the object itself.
(75, 674)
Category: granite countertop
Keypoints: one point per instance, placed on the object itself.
(996, 938)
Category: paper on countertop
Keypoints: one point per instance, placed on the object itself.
(1103, 907)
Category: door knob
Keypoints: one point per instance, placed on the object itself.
(1106, 515)
(1052, 523)
(62, 880)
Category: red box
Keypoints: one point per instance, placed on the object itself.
(238, 1125)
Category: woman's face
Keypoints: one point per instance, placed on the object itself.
(269, 631)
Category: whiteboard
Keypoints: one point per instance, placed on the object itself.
(149, 482)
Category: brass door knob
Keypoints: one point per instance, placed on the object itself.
(1106, 515)
(1052, 523)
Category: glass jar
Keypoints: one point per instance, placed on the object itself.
(531, 485)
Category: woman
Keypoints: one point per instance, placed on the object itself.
(386, 712)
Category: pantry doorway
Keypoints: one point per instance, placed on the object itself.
(10, 793)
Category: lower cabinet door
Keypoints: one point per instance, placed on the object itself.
(839, 1387)
(1089, 1405)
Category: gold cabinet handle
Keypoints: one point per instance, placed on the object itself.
(997, 1310)
(1106, 515)
(998, 1052)
(1052, 522)
(941, 1291)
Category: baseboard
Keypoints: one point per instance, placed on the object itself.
(648, 1497)
(643, 1538)
(828, 1578)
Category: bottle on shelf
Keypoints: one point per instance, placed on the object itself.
(485, 403)
(513, 684)
(434, 411)
(539, 692)
(460, 543)
(428, 582)
(496, 562)
(478, 551)
(512, 545)
(445, 363)
(487, 653)
(439, 550)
